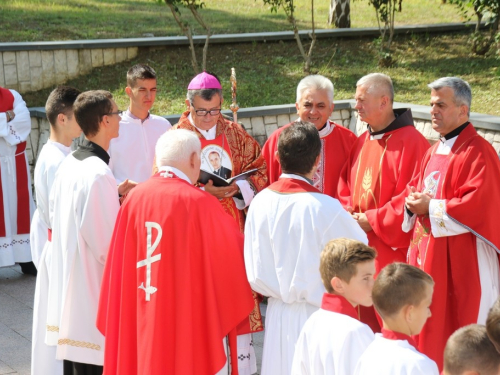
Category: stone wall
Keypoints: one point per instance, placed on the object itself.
(260, 122)
(26, 71)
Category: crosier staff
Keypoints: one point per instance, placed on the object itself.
(234, 105)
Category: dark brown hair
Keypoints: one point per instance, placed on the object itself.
(90, 107)
(298, 147)
(59, 101)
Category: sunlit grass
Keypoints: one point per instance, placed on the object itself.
(35, 20)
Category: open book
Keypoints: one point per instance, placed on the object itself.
(221, 182)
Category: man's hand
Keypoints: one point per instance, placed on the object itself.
(418, 203)
(126, 186)
(221, 192)
(362, 221)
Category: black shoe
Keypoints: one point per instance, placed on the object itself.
(28, 268)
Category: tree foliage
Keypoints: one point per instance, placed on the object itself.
(193, 6)
(481, 44)
(386, 11)
(289, 7)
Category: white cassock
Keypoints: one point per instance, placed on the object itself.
(14, 247)
(394, 357)
(132, 153)
(84, 205)
(332, 340)
(43, 357)
(288, 225)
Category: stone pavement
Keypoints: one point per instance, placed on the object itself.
(16, 316)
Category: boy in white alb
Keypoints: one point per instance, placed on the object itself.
(63, 129)
(132, 153)
(333, 339)
(469, 351)
(83, 208)
(402, 295)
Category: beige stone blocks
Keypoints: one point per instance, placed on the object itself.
(109, 56)
(72, 59)
(27, 71)
(258, 128)
(283, 120)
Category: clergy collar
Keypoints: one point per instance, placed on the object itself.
(403, 118)
(393, 335)
(338, 304)
(176, 172)
(88, 149)
(132, 116)
(454, 133)
(207, 134)
(326, 129)
(297, 177)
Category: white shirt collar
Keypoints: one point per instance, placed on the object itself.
(327, 129)
(65, 149)
(175, 171)
(208, 135)
(445, 145)
(295, 176)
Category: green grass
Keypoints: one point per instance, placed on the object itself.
(268, 73)
(36, 20)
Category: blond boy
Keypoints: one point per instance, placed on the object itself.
(469, 351)
(402, 295)
(333, 339)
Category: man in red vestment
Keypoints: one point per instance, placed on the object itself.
(382, 162)
(239, 153)
(174, 284)
(453, 212)
(315, 105)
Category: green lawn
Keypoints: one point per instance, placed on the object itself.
(35, 20)
(268, 73)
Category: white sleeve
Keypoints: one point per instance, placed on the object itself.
(17, 130)
(343, 225)
(441, 224)
(301, 362)
(408, 221)
(99, 216)
(247, 193)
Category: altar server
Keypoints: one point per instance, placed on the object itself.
(84, 203)
(402, 295)
(288, 225)
(333, 338)
(63, 129)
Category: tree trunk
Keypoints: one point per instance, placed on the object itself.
(340, 13)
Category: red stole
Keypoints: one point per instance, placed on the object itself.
(23, 195)
(434, 178)
(393, 335)
(338, 304)
(292, 186)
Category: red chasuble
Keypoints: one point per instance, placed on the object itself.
(334, 153)
(174, 283)
(374, 182)
(469, 185)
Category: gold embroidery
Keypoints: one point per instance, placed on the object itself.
(255, 317)
(367, 179)
(52, 328)
(79, 344)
